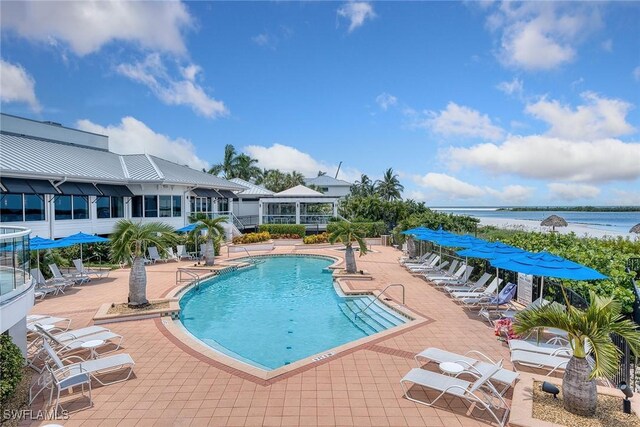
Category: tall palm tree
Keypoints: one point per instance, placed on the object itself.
(589, 332)
(213, 230)
(347, 233)
(273, 179)
(389, 187)
(363, 187)
(229, 163)
(245, 168)
(294, 178)
(130, 240)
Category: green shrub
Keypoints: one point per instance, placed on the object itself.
(280, 229)
(11, 363)
(251, 238)
(369, 229)
(316, 238)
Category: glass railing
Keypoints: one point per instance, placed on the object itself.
(14, 258)
(315, 219)
(278, 219)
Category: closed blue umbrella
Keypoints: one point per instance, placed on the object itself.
(80, 239)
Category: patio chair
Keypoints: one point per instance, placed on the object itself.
(470, 297)
(459, 277)
(154, 256)
(53, 285)
(416, 260)
(504, 376)
(426, 259)
(429, 265)
(85, 272)
(182, 252)
(453, 267)
(481, 392)
(552, 362)
(49, 320)
(75, 344)
(91, 368)
(171, 255)
(489, 315)
(471, 287)
(540, 347)
(77, 278)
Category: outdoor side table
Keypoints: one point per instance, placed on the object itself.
(451, 368)
(91, 346)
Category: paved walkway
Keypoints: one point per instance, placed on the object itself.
(172, 387)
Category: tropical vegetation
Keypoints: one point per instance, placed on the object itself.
(129, 242)
(313, 239)
(11, 363)
(369, 228)
(213, 233)
(277, 181)
(389, 188)
(251, 238)
(589, 333)
(348, 233)
(278, 231)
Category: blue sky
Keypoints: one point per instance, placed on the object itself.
(472, 103)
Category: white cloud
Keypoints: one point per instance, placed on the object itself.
(514, 87)
(597, 118)
(263, 39)
(544, 157)
(452, 188)
(16, 85)
(172, 91)
(416, 195)
(458, 120)
(86, 26)
(131, 136)
(288, 159)
(357, 13)
(386, 100)
(541, 35)
(572, 192)
(636, 73)
(626, 198)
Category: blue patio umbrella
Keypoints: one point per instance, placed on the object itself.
(40, 243)
(187, 228)
(545, 264)
(417, 230)
(491, 250)
(465, 241)
(80, 239)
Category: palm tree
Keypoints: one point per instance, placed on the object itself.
(245, 168)
(213, 230)
(273, 179)
(229, 163)
(589, 331)
(130, 241)
(294, 178)
(389, 187)
(363, 187)
(347, 233)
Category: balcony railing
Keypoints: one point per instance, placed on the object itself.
(315, 219)
(278, 219)
(14, 258)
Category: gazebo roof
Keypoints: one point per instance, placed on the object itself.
(299, 191)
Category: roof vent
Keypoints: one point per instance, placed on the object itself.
(49, 122)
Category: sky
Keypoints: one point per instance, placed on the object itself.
(471, 103)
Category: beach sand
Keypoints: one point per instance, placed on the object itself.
(579, 229)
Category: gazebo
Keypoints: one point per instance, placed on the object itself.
(298, 205)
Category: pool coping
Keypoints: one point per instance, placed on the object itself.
(175, 332)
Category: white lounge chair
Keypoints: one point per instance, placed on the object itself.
(65, 376)
(49, 320)
(448, 272)
(71, 345)
(504, 376)
(553, 362)
(540, 347)
(154, 256)
(182, 252)
(490, 290)
(430, 265)
(85, 272)
(77, 278)
(471, 286)
(171, 255)
(481, 392)
(427, 261)
(54, 284)
(419, 260)
(460, 277)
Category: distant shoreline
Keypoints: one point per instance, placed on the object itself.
(528, 225)
(573, 209)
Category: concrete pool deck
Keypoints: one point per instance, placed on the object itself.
(174, 386)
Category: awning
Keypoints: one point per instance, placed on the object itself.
(79, 189)
(28, 186)
(207, 192)
(114, 190)
(227, 194)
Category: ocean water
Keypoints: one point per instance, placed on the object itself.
(619, 222)
(283, 310)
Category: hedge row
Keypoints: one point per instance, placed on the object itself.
(273, 229)
(370, 229)
(316, 238)
(251, 238)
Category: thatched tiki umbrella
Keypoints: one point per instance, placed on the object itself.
(554, 221)
(635, 229)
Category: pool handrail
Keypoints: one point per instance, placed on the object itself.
(378, 297)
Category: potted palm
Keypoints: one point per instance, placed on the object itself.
(214, 230)
(128, 244)
(589, 332)
(347, 233)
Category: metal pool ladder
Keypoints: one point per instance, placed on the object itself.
(189, 273)
(379, 295)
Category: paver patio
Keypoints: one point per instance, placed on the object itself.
(173, 387)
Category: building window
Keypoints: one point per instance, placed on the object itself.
(80, 207)
(110, 207)
(63, 207)
(177, 205)
(11, 208)
(136, 207)
(103, 206)
(117, 207)
(34, 207)
(165, 206)
(150, 206)
(223, 205)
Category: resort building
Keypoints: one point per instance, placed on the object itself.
(247, 202)
(298, 205)
(330, 186)
(58, 181)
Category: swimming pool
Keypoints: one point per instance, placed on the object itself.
(282, 310)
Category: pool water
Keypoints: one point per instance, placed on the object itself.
(282, 310)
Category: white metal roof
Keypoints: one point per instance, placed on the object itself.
(36, 157)
(326, 181)
(299, 191)
(252, 189)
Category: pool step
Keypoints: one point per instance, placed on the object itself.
(375, 317)
(360, 323)
(377, 310)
